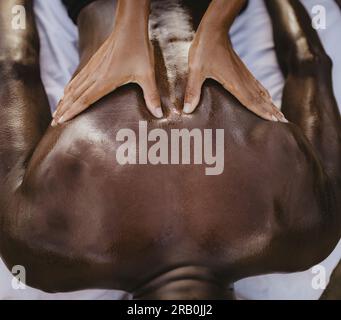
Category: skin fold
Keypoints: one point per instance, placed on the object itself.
(127, 56)
(76, 219)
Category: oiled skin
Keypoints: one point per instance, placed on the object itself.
(77, 219)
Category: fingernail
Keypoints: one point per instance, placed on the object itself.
(53, 123)
(54, 114)
(61, 120)
(273, 118)
(187, 108)
(158, 113)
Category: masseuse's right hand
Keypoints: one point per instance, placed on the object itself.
(125, 57)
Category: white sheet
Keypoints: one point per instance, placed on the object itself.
(252, 38)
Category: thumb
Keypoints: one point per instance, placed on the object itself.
(193, 92)
(151, 96)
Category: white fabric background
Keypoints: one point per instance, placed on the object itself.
(252, 38)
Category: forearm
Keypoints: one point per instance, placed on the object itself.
(220, 16)
(131, 19)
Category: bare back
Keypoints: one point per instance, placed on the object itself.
(90, 221)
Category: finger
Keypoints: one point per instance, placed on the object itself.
(71, 97)
(90, 96)
(264, 108)
(261, 105)
(84, 95)
(71, 113)
(279, 115)
(61, 108)
(77, 84)
(151, 95)
(269, 112)
(193, 91)
(87, 70)
(269, 104)
(257, 98)
(80, 78)
(77, 91)
(78, 88)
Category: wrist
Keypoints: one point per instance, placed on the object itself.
(208, 33)
(220, 16)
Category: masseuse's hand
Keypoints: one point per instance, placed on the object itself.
(126, 56)
(212, 56)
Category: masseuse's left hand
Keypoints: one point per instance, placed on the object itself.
(212, 56)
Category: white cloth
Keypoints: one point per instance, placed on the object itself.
(252, 39)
